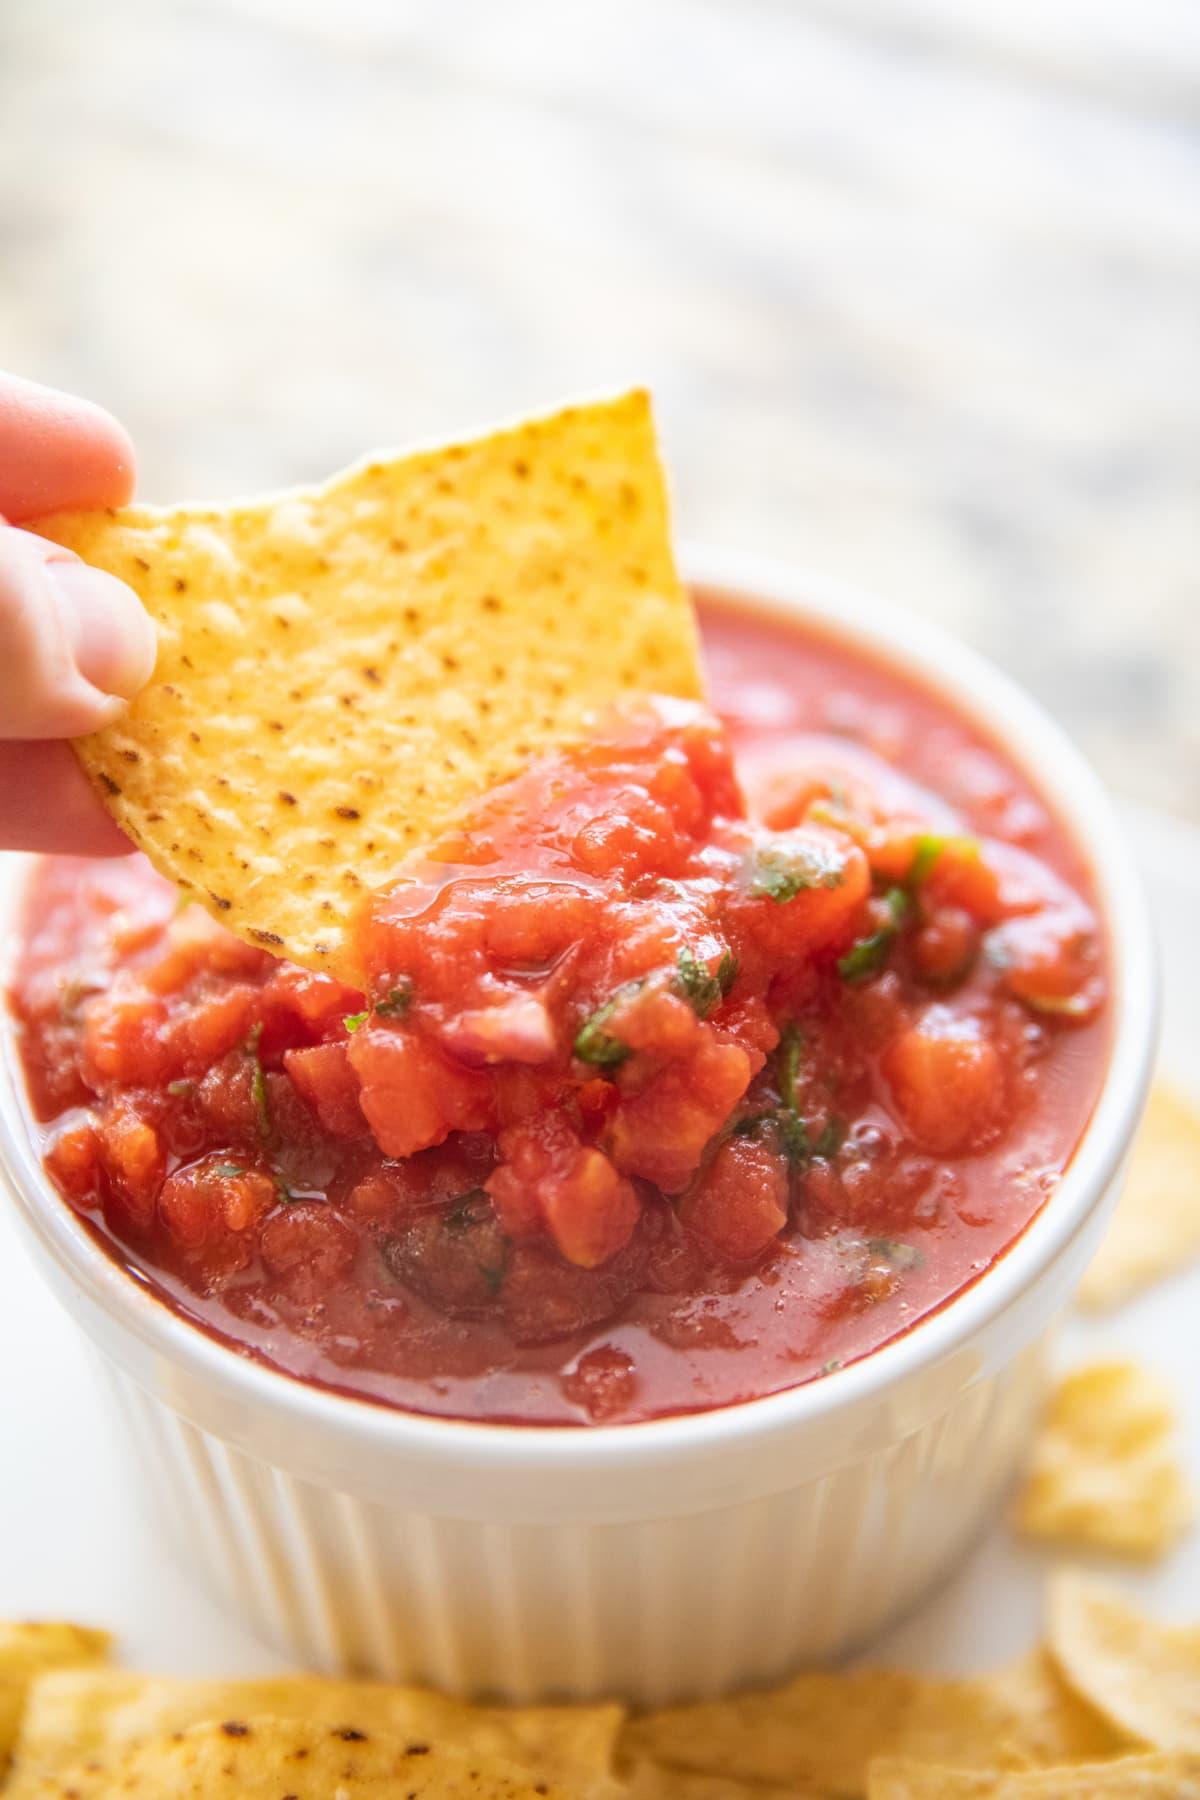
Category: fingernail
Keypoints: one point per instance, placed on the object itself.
(111, 635)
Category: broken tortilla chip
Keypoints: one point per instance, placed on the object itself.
(95, 1714)
(1126, 1778)
(343, 670)
(1156, 1227)
(29, 1650)
(264, 1759)
(1142, 1676)
(1104, 1471)
(821, 1731)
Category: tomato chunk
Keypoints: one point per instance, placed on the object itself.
(946, 1082)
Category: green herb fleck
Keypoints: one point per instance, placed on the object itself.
(494, 1278)
(831, 1367)
(227, 1169)
(355, 1021)
(695, 983)
(783, 870)
(396, 1001)
(787, 1064)
(930, 847)
(181, 1090)
(258, 1081)
(831, 1139)
(868, 956)
(595, 1045)
(793, 1137)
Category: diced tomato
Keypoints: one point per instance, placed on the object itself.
(309, 1246)
(946, 1082)
(412, 1096)
(325, 1078)
(209, 1211)
(739, 1204)
(549, 1179)
(210, 1027)
(660, 1133)
(124, 1039)
(135, 1163)
(74, 1164)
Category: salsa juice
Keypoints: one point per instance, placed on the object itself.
(701, 1060)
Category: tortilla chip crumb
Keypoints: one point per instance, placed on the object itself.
(1104, 1472)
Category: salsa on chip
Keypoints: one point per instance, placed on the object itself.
(548, 1045)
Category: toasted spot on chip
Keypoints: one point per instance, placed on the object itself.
(1144, 1677)
(279, 606)
(1104, 1471)
(105, 1716)
(239, 1760)
(1156, 1228)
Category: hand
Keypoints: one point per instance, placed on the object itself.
(75, 643)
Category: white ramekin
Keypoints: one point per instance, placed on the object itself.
(678, 1557)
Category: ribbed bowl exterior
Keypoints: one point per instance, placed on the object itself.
(680, 1605)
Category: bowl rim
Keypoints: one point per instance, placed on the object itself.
(990, 698)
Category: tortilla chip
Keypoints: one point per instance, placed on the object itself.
(1156, 1228)
(28, 1650)
(343, 670)
(1127, 1778)
(821, 1731)
(97, 1713)
(1104, 1471)
(264, 1759)
(1142, 1676)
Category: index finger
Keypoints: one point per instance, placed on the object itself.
(58, 453)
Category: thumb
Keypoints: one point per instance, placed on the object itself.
(75, 643)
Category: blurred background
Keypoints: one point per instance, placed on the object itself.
(916, 283)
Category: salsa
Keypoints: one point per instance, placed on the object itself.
(702, 1059)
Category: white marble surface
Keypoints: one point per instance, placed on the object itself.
(916, 282)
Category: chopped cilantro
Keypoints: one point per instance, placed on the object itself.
(595, 1045)
(226, 1169)
(396, 1001)
(787, 1064)
(180, 1090)
(258, 1082)
(929, 848)
(783, 870)
(355, 1021)
(494, 1278)
(831, 1139)
(695, 983)
(793, 1137)
(869, 954)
